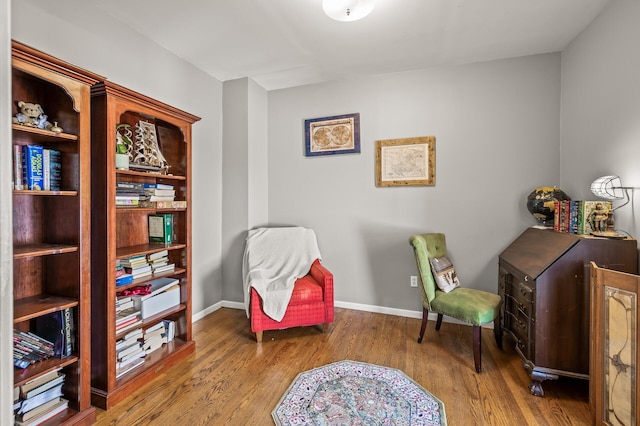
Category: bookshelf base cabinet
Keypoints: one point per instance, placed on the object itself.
(51, 244)
(126, 261)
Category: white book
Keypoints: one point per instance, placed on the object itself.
(124, 370)
(46, 169)
(159, 254)
(45, 386)
(159, 285)
(153, 328)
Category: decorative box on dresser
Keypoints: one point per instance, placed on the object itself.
(544, 284)
(51, 228)
(122, 232)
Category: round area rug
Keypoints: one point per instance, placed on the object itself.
(357, 393)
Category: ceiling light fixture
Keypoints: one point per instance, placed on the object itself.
(347, 10)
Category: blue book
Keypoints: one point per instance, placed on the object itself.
(32, 167)
(157, 186)
(124, 279)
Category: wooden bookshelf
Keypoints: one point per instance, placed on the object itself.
(121, 232)
(51, 229)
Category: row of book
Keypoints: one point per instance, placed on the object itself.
(577, 216)
(36, 168)
(53, 335)
(132, 194)
(39, 399)
(134, 346)
(134, 267)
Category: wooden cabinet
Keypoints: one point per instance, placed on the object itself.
(613, 392)
(51, 229)
(544, 285)
(122, 232)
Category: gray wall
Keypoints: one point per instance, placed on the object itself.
(497, 137)
(245, 195)
(601, 107)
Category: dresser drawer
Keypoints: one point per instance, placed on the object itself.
(520, 326)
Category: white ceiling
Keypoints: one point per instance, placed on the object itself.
(285, 43)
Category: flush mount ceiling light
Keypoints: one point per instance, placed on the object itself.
(347, 10)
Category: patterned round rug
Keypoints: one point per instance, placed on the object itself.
(357, 393)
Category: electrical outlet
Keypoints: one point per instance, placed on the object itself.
(414, 281)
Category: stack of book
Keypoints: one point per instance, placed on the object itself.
(36, 168)
(159, 192)
(123, 303)
(137, 266)
(29, 348)
(159, 262)
(127, 318)
(129, 352)
(164, 294)
(122, 277)
(129, 194)
(154, 337)
(39, 399)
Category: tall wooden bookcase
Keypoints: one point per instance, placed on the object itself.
(51, 229)
(118, 233)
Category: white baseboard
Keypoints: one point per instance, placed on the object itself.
(347, 305)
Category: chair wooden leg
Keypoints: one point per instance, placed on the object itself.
(259, 336)
(425, 317)
(439, 322)
(477, 347)
(325, 327)
(497, 331)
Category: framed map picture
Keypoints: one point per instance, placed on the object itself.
(339, 134)
(406, 162)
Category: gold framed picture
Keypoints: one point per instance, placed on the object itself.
(406, 162)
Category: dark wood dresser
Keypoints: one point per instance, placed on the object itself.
(544, 284)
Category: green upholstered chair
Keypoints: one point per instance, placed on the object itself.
(475, 307)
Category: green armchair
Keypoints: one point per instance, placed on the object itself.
(472, 306)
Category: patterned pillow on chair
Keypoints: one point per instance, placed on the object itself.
(444, 273)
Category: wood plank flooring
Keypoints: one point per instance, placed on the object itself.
(231, 380)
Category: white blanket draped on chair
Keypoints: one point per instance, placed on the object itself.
(274, 258)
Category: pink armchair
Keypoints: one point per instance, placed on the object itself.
(311, 303)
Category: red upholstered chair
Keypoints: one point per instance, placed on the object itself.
(285, 285)
(311, 304)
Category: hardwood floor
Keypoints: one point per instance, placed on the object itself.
(231, 380)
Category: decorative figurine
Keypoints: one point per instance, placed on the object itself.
(32, 115)
(56, 128)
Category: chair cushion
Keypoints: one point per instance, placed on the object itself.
(468, 305)
(444, 273)
(306, 290)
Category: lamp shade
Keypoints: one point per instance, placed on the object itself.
(347, 10)
(608, 187)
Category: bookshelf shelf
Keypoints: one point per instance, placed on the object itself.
(122, 173)
(51, 229)
(124, 252)
(144, 280)
(34, 306)
(20, 377)
(40, 193)
(122, 232)
(43, 135)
